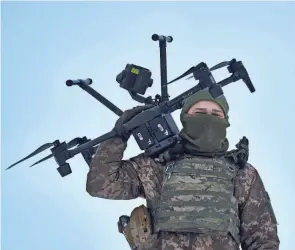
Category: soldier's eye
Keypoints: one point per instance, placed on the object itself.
(200, 112)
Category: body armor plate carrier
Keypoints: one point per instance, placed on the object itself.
(198, 196)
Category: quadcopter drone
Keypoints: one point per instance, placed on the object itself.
(154, 129)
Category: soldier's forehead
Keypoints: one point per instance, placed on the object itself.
(204, 103)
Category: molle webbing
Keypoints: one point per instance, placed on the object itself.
(197, 196)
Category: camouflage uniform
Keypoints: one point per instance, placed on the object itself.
(110, 177)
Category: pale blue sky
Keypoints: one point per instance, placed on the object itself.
(44, 44)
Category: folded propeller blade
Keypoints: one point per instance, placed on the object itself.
(37, 151)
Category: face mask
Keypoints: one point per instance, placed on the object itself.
(206, 132)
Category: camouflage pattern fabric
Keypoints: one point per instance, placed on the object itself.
(198, 196)
(112, 178)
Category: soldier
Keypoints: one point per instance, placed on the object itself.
(199, 198)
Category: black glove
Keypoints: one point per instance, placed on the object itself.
(126, 117)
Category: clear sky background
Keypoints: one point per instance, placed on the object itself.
(44, 44)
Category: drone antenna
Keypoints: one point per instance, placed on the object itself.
(163, 40)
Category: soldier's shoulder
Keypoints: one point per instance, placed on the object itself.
(150, 173)
(248, 173)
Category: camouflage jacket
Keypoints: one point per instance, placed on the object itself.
(110, 177)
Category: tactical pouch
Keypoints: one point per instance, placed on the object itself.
(138, 228)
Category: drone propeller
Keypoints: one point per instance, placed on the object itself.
(37, 151)
(189, 71)
(45, 146)
(217, 66)
(76, 141)
(43, 159)
(220, 65)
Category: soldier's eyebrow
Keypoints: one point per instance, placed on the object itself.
(201, 109)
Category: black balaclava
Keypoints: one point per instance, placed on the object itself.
(204, 133)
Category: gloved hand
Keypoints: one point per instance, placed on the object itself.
(126, 117)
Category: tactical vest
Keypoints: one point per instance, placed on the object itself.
(197, 196)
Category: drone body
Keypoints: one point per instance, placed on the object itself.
(154, 129)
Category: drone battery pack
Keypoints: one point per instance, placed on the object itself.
(160, 128)
(163, 127)
(155, 133)
(143, 137)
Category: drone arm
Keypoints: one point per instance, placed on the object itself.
(94, 142)
(84, 84)
(238, 76)
(163, 68)
(163, 40)
(228, 80)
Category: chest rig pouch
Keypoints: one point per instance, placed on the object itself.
(198, 196)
